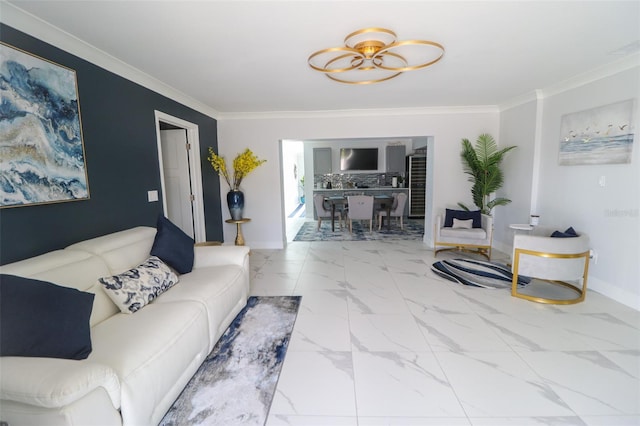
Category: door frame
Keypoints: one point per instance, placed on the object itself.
(195, 170)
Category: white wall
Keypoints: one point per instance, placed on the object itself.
(572, 196)
(517, 128)
(262, 134)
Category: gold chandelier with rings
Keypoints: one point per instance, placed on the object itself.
(372, 55)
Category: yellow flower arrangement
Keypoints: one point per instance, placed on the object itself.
(243, 164)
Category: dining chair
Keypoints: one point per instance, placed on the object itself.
(323, 213)
(360, 208)
(397, 210)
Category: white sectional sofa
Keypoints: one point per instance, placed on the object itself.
(139, 362)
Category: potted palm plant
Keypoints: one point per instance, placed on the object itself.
(482, 163)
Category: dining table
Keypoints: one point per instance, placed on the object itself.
(384, 201)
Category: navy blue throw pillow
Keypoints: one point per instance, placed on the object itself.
(173, 246)
(463, 215)
(568, 233)
(571, 232)
(41, 319)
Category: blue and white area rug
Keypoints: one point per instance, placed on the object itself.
(413, 230)
(477, 273)
(236, 383)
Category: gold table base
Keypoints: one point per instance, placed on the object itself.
(239, 236)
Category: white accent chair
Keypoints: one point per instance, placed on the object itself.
(471, 240)
(552, 260)
(397, 209)
(360, 208)
(323, 213)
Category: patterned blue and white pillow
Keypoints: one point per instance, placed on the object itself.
(133, 289)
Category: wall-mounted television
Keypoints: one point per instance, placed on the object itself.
(358, 159)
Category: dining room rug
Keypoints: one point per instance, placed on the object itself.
(477, 273)
(413, 230)
(236, 383)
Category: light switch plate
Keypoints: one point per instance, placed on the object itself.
(152, 195)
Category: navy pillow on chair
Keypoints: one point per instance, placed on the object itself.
(463, 215)
(570, 232)
(173, 246)
(41, 319)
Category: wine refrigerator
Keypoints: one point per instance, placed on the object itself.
(417, 170)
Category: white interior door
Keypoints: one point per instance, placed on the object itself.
(175, 164)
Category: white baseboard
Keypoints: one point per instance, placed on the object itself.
(616, 293)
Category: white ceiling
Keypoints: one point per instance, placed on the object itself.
(251, 56)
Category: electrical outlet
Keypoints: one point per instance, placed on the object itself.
(593, 255)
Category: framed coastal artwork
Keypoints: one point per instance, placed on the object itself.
(42, 158)
(602, 135)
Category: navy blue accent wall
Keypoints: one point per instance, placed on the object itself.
(120, 143)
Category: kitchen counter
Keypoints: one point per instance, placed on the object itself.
(381, 188)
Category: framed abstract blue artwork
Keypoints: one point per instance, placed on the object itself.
(602, 135)
(42, 158)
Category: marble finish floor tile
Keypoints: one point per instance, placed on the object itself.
(528, 421)
(494, 384)
(323, 301)
(315, 384)
(587, 380)
(320, 332)
(531, 332)
(282, 420)
(458, 332)
(381, 340)
(321, 280)
(376, 301)
(386, 333)
(327, 267)
(403, 384)
(629, 360)
(611, 420)
(413, 421)
(604, 331)
(325, 387)
(272, 285)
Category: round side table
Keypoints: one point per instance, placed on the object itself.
(520, 227)
(239, 236)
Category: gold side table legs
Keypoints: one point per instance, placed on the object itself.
(239, 236)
